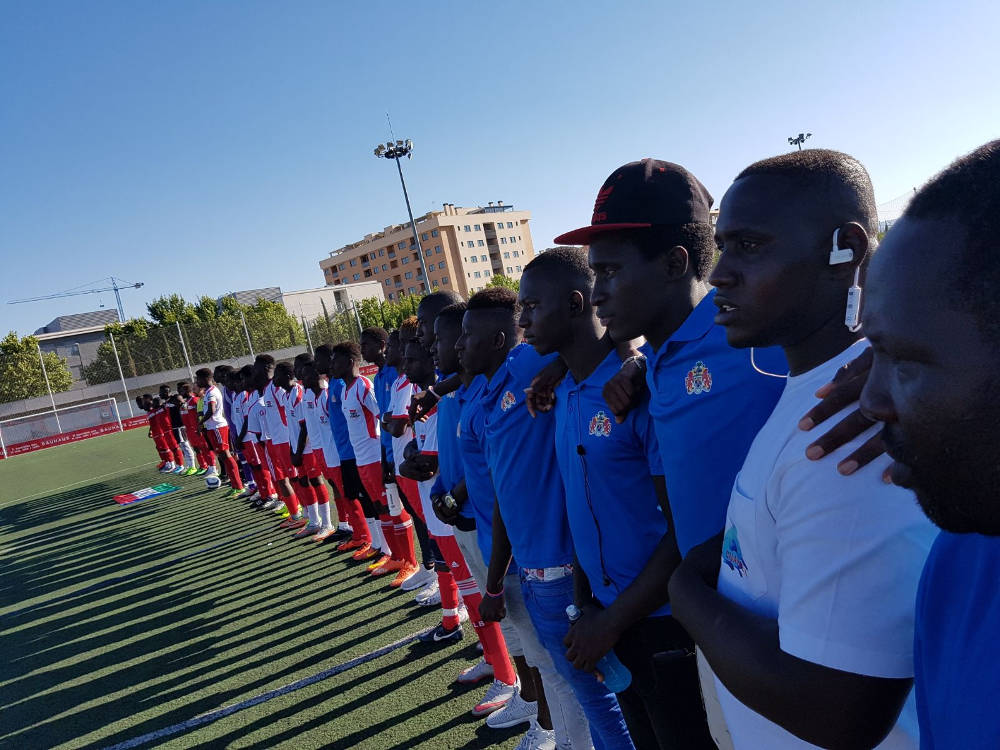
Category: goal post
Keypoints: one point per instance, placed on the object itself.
(65, 424)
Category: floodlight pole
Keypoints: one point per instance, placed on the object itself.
(395, 152)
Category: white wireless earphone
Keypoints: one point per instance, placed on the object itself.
(838, 255)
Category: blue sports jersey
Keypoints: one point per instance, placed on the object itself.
(956, 651)
(383, 395)
(338, 423)
(708, 403)
(520, 451)
(478, 482)
(450, 471)
(607, 468)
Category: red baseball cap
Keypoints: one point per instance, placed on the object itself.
(643, 194)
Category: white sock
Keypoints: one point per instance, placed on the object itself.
(313, 514)
(324, 515)
(189, 460)
(375, 529)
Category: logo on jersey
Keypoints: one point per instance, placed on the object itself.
(354, 413)
(507, 401)
(732, 555)
(698, 379)
(600, 425)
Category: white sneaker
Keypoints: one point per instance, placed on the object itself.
(516, 711)
(419, 580)
(537, 739)
(496, 698)
(253, 497)
(478, 672)
(430, 596)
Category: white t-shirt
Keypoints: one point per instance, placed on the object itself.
(399, 405)
(274, 414)
(834, 559)
(214, 396)
(360, 409)
(426, 436)
(295, 415)
(236, 414)
(248, 401)
(256, 419)
(317, 420)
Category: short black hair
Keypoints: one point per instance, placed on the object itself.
(284, 367)
(499, 300)
(347, 349)
(394, 334)
(376, 332)
(204, 372)
(565, 262)
(698, 239)
(246, 371)
(304, 357)
(845, 181)
(968, 193)
(182, 383)
(323, 350)
(222, 370)
(435, 302)
(453, 313)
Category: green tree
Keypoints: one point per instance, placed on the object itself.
(170, 309)
(505, 281)
(21, 373)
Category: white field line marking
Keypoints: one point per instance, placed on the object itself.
(82, 481)
(118, 579)
(221, 713)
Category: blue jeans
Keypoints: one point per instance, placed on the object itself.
(546, 602)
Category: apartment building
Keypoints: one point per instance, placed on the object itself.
(463, 248)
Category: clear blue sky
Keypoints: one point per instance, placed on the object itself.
(202, 147)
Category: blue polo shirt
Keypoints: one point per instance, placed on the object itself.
(338, 423)
(383, 395)
(450, 471)
(956, 651)
(607, 469)
(520, 451)
(478, 482)
(707, 403)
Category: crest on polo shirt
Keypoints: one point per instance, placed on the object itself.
(732, 555)
(698, 379)
(600, 425)
(507, 401)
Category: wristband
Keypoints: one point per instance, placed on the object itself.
(498, 595)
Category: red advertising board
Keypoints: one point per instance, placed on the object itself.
(72, 437)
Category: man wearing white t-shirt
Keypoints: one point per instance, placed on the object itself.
(213, 419)
(810, 630)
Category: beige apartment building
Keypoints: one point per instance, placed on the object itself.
(463, 248)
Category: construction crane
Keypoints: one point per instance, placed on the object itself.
(116, 286)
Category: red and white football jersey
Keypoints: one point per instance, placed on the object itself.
(360, 409)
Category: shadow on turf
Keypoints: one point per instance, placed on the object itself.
(118, 634)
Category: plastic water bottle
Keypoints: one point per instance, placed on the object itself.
(616, 675)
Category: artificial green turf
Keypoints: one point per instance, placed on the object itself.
(116, 621)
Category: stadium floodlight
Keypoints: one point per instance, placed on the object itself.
(394, 151)
(799, 139)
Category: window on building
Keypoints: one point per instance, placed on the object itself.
(424, 236)
(510, 270)
(405, 260)
(506, 255)
(385, 267)
(341, 267)
(503, 240)
(411, 290)
(389, 295)
(353, 262)
(392, 253)
(486, 274)
(469, 274)
(408, 274)
(357, 277)
(434, 233)
(468, 228)
(428, 252)
(510, 225)
(437, 249)
(516, 254)
(481, 243)
(444, 279)
(401, 245)
(441, 265)
(478, 228)
(478, 275)
(518, 268)
(519, 236)
(381, 252)
(368, 273)
(388, 282)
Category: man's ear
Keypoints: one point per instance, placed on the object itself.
(499, 340)
(854, 237)
(675, 262)
(577, 303)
